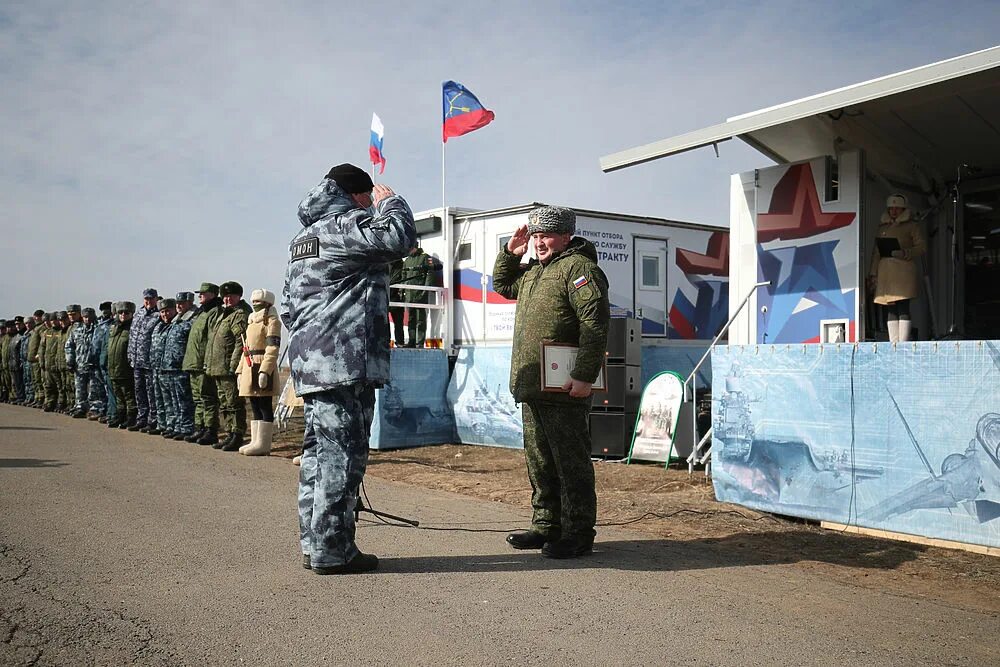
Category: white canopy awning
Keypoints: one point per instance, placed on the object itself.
(935, 117)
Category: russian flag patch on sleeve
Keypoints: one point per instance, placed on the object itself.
(580, 282)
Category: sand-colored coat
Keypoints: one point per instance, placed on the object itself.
(263, 339)
(898, 279)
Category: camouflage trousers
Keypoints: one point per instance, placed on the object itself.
(334, 458)
(69, 387)
(110, 404)
(209, 402)
(195, 381)
(159, 400)
(28, 377)
(55, 399)
(38, 381)
(179, 404)
(16, 383)
(89, 391)
(232, 407)
(145, 395)
(557, 453)
(124, 391)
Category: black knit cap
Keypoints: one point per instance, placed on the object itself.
(352, 180)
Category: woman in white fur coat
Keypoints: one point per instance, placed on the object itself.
(257, 379)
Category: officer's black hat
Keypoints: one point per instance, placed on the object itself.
(230, 287)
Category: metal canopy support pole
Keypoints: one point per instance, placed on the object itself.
(693, 381)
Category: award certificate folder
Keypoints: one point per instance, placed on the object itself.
(886, 245)
(558, 361)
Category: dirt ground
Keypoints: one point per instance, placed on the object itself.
(673, 505)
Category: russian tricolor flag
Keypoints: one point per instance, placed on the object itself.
(463, 112)
(375, 147)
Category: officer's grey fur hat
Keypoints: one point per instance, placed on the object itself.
(165, 303)
(184, 297)
(115, 307)
(73, 308)
(552, 220)
(61, 315)
(48, 315)
(88, 311)
(127, 306)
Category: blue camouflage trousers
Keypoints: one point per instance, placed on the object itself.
(161, 414)
(89, 391)
(179, 401)
(145, 396)
(29, 381)
(110, 405)
(334, 458)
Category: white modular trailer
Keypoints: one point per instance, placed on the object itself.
(672, 275)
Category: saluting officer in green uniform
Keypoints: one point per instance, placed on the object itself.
(418, 269)
(562, 296)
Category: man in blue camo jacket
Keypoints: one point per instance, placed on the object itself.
(139, 341)
(335, 307)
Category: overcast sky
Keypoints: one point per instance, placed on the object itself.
(166, 143)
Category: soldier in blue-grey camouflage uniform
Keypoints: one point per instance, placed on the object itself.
(335, 307)
(180, 404)
(17, 341)
(99, 344)
(140, 337)
(83, 362)
(27, 375)
(167, 308)
(562, 296)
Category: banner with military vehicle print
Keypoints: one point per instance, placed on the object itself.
(412, 410)
(485, 412)
(902, 438)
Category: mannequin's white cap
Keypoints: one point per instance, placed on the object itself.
(263, 295)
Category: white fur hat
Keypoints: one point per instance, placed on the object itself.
(263, 295)
(896, 201)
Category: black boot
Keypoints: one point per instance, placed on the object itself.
(529, 539)
(196, 436)
(210, 437)
(128, 425)
(136, 426)
(569, 547)
(222, 441)
(233, 442)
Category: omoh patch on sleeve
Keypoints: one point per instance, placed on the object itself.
(305, 248)
(580, 282)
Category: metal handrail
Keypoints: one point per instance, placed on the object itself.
(692, 379)
(439, 302)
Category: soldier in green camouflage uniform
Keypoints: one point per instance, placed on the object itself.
(222, 357)
(42, 367)
(34, 345)
(418, 269)
(561, 296)
(54, 397)
(206, 406)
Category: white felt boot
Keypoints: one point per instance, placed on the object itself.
(893, 330)
(262, 445)
(297, 460)
(904, 331)
(254, 431)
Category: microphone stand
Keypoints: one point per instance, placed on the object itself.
(360, 507)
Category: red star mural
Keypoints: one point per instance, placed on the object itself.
(715, 261)
(795, 211)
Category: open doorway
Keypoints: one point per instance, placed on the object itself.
(980, 260)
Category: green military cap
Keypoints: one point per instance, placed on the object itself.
(230, 287)
(73, 308)
(163, 304)
(208, 287)
(115, 306)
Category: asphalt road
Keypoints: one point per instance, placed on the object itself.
(119, 548)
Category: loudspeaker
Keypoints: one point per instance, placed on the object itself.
(611, 433)
(625, 341)
(624, 390)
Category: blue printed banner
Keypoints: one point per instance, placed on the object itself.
(412, 409)
(485, 412)
(904, 438)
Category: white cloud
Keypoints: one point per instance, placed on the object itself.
(170, 143)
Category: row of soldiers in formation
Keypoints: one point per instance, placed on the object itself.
(169, 368)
